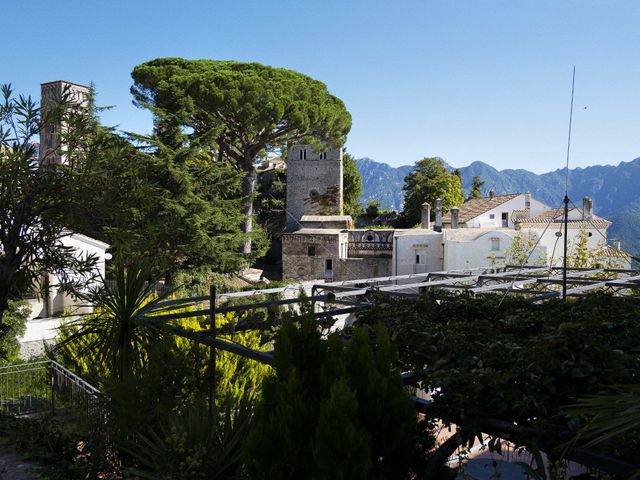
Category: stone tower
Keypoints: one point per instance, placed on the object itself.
(50, 93)
(314, 183)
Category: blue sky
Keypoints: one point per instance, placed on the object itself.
(465, 80)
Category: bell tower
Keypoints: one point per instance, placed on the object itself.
(51, 93)
(314, 183)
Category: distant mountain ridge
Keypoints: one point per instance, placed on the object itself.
(615, 190)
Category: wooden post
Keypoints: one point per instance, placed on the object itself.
(212, 352)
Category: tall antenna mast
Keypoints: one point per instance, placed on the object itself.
(566, 192)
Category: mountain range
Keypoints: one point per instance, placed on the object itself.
(615, 190)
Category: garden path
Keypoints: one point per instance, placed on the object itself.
(12, 468)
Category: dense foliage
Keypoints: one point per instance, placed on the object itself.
(119, 342)
(352, 186)
(334, 410)
(236, 111)
(14, 320)
(148, 199)
(429, 181)
(33, 199)
(476, 187)
(495, 359)
(158, 383)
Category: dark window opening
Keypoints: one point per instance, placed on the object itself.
(328, 264)
(311, 250)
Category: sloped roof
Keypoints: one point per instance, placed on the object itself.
(609, 251)
(477, 206)
(556, 215)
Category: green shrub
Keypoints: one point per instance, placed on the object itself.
(333, 410)
(516, 362)
(13, 326)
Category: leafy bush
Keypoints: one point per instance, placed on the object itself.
(13, 326)
(515, 361)
(147, 373)
(333, 410)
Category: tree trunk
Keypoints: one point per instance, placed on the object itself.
(248, 187)
(442, 453)
(4, 304)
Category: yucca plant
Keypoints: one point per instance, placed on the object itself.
(612, 415)
(613, 421)
(120, 331)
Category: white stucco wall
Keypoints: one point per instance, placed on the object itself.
(554, 245)
(83, 246)
(462, 251)
(406, 242)
(518, 203)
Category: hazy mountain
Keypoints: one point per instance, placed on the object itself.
(614, 189)
(382, 183)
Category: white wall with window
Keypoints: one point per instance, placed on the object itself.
(416, 251)
(470, 248)
(500, 216)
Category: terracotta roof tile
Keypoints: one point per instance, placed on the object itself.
(609, 251)
(477, 206)
(556, 215)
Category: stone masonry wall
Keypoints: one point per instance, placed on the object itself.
(314, 184)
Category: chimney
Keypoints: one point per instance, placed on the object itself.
(616, 244)
(492, 193)
(455, 211)
(426, 213)
(438, 225)
(587, 207)
(527, 201)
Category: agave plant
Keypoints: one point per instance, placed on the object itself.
(194, 444)
(120, 331)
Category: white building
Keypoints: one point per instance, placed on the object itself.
(56, 302)
(483, 232)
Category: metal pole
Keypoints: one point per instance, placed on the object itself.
(53, 389)
(212, 351)
(566, 229)
(566, 189)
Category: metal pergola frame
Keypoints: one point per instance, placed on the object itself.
(536, 283)
(333, 299)
(338, 298)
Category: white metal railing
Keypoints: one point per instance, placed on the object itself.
(25, 388)
(45, 385)
(67, 376)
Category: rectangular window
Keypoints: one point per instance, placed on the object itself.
(492, 216)
(311, 250)
(495, 244)
(328, 264)
(505, 219)
(303, 154)
(420, 255)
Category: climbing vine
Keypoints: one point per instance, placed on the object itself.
(509, 364)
